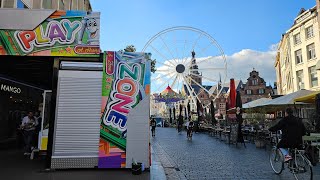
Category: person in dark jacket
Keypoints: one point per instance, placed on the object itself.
(292, 131)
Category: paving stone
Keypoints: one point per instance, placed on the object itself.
(206, 157)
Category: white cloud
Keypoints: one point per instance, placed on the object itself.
(240, 64)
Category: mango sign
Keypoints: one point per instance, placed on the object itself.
(64, 33)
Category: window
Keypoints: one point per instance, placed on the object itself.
(300, 80)
(311, 52)
(313, 76)
(255, 82)
(309, 32)
(249, 91)
(296, 39)
(261, 91)
(298, 55)
(8, 3)
(46, 4)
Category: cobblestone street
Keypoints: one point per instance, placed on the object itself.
(215, 159)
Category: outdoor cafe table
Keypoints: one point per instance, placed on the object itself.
(219, 131)
(314, 141)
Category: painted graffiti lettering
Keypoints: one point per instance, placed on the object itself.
(63, 32)
(117, 119)
(123, 96)
(12, 89)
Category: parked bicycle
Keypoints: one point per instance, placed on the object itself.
(300, 166)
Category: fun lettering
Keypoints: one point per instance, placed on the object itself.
(123, 96)
(63, 32)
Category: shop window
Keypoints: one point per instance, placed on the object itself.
(311, 52)
(313, 76)
(298, 55)
(309, 32)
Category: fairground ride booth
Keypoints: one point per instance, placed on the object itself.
(94, 105)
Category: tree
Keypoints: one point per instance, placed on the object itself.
(131, 48)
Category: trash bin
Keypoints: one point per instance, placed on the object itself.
(136, 168)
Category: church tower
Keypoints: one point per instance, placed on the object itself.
(194, 73)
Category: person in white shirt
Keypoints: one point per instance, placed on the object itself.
(28, 126)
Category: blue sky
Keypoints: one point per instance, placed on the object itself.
(245, 27)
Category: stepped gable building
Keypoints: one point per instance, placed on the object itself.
(255, 88)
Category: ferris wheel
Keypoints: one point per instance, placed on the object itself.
(187, 59)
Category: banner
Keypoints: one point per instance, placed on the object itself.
(64, 33)
(126, 81)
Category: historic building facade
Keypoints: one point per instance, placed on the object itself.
(255, 88)
(297, 54)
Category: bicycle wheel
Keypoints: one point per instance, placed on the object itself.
(276, 160)
(303, 168)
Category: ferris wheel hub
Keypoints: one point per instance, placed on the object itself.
(180, 68)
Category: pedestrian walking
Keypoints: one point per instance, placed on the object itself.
(28, 127)
(153, 124)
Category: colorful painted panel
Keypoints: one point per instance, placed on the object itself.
(126, 81)
(64, 33)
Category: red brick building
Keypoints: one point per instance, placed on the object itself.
(255, 88)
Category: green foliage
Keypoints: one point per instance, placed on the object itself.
(153, 65)
(130, 48)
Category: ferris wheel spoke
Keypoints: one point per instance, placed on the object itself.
(196, 42)
(204, 69)
(203, 60)
(209, 58)
(186, 62)
(164, 83)
(165, 44)
(179, 78)
(163, 56)
(189, 90)
(199, 85)
(210, 79)
(203, 50)
(172, 67)
(174, 81)
(163, 70)
(162, 76)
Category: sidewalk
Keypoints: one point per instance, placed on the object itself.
(14, 166)
(156, 170)
(167, 167)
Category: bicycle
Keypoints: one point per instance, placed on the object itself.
(300, 166)
(189, 133)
